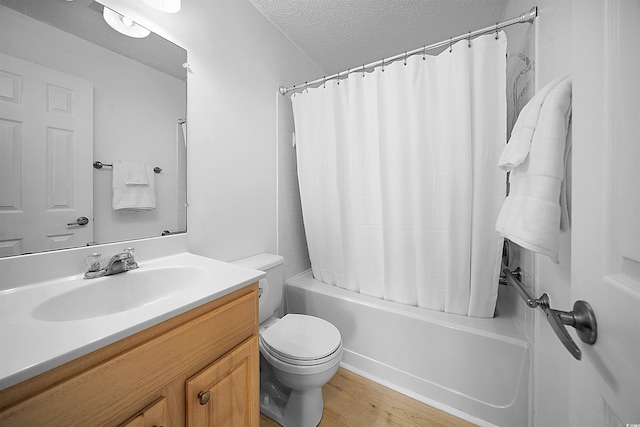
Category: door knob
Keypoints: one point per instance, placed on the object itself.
(203, 397)
(582, 318)
(83, 220)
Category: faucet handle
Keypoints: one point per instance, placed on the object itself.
(93, 262)
(130, 251)
(131, 262)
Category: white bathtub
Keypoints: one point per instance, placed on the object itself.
(476, 369)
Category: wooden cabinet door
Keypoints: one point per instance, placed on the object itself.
(226, 393)
(154, 415)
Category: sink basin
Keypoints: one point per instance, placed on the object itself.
(50, 315)
(118, 293)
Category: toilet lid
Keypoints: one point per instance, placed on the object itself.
(302, 337)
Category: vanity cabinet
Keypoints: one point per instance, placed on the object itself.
(196, 369)
(154, 415)
(222, 393)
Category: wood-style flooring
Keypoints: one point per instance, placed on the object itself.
(353, 401)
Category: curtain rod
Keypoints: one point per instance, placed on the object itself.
(527, 17)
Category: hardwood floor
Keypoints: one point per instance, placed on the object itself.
(353, 401)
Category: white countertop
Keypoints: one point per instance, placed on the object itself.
(29, 346)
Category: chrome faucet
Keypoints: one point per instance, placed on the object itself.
(118, 263)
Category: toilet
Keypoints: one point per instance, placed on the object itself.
(298, 353)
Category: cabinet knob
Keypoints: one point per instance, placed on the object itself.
(203, 397)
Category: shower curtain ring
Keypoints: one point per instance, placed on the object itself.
(424, 53)
(405, 58)
(324, 82)
(382, 65)
(450, 45)
(362, 70)
(469, 44)
(497, 37)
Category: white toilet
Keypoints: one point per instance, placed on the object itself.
(299, 353)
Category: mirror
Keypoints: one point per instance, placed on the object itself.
(73, 91)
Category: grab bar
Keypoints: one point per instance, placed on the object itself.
(100, 165)
(582, 317)
(511, 278)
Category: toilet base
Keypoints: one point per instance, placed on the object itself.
(302, 408)
(289, 408)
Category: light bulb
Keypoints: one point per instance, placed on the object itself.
(123, 24)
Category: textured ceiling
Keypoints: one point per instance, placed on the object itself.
(342, 34)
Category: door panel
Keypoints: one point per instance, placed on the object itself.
(605, 385)
(226, 392)
(46, 152)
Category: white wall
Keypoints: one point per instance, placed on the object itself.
(292, 241)
(238, 61)
(553, 56)
(124, 128)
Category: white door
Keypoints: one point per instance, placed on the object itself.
(605, 384)
(46, 156)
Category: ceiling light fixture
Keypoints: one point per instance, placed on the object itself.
(124, 25)
(170, 6)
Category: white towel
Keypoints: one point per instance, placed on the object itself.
(519, 143)
(133, 196)
(134, 173)
(530, 215)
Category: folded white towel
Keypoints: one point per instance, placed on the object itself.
(530, 215)
(133, 196)
(134, 173)
(517, 149)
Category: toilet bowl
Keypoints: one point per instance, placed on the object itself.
(298, 353)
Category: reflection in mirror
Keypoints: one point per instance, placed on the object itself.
(73, 91)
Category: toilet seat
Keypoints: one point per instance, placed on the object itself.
(301, 340)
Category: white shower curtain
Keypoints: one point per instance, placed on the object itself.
(398, 179)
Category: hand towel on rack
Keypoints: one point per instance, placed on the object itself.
(133, 196)
(517, 149)
(135, 173)
(531, 213)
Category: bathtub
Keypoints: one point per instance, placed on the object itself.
(476, 369)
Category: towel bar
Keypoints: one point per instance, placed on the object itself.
(100, 165)
(581, 317)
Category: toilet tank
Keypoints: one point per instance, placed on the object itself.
(270, 297)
